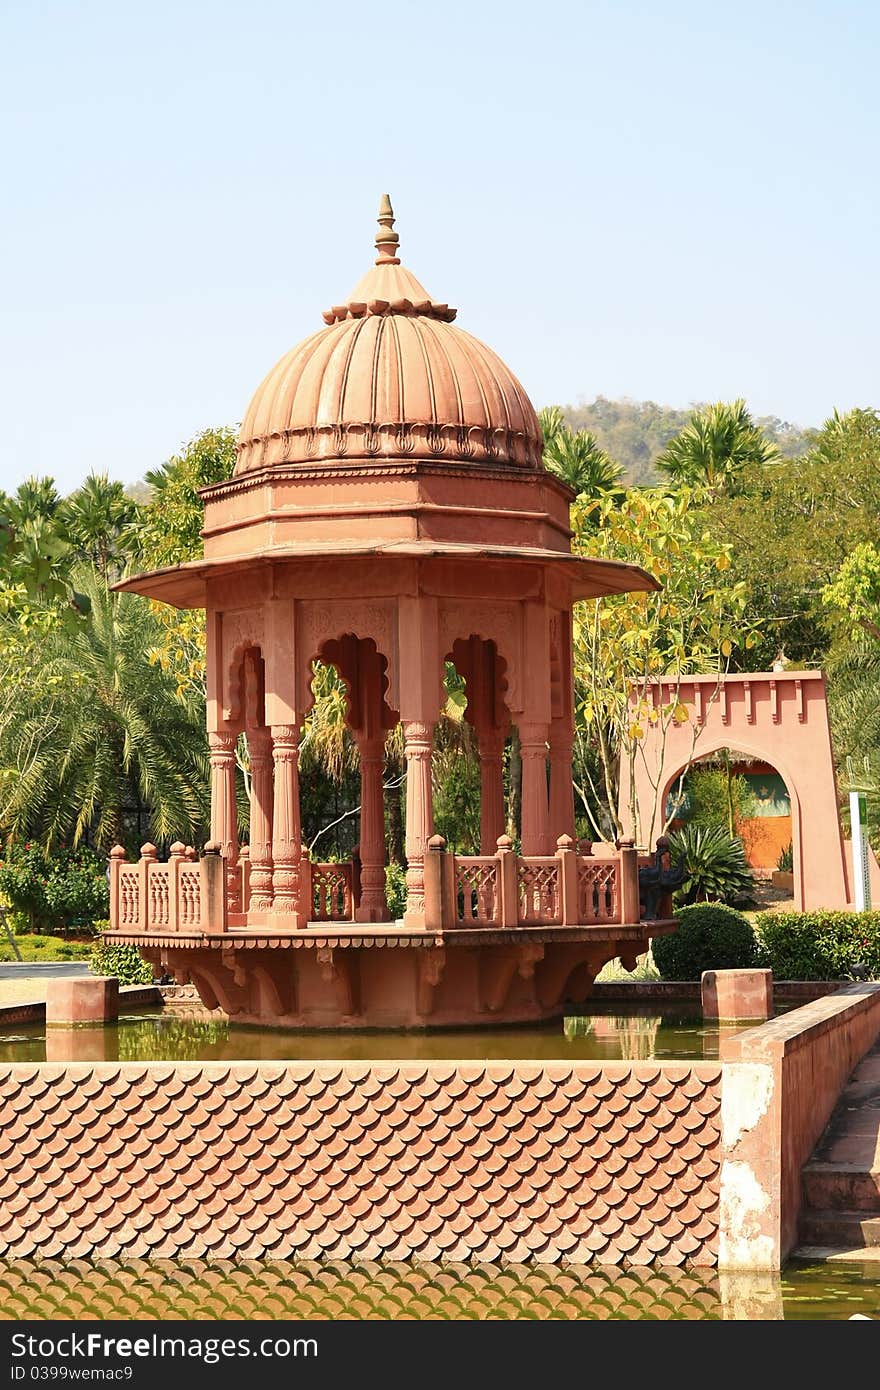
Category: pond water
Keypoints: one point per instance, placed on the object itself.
(79, 1290)
(193, 1035)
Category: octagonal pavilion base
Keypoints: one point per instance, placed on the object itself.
(350, 977)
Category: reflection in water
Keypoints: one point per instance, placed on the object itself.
(636, 1037)
(188, 1035)
(269, 1290)
(170, 1289)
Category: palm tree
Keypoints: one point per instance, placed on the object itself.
(577, 457)
(98, 519)
(91, 728)
(34, 551)
(715, 447)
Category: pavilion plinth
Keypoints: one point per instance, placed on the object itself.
(354, 978)
(389, 515)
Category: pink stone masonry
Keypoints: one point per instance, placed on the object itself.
(389, 515)
(735, 994)
(94, 999)
(517, 1162)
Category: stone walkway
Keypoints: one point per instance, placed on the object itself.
(24, 982)
(841, 1215)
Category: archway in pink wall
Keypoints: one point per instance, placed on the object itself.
(779, 717)
(709, 750)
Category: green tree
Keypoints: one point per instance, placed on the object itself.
(100, 522)
(35, 553)
(791, 529)
(854, 592)
(716, 449)
(91, 729)
(624, 642)
(576, 457)
(170, 528)
(169, 531)
(636, 432)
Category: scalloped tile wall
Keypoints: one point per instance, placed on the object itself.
(607, 1163)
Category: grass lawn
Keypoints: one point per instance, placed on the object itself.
(44, 948)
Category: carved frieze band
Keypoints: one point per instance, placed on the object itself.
(391, 440)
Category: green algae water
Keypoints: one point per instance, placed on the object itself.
(83, 1290)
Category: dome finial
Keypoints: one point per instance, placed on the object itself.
(387, 240)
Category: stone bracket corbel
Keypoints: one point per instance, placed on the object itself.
(431, 964)
(339, 970)
(229, 961)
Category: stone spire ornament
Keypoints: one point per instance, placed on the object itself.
(387, 240)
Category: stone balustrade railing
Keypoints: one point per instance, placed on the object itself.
(329, 889)
(183, 895)
(583, 885)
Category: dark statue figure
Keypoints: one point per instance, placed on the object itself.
(658, 881)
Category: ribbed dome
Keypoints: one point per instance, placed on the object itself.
(390, 377)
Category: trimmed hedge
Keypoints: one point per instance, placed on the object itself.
(710, 936)
(819, 945)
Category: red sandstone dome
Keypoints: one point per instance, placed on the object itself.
(390, 377)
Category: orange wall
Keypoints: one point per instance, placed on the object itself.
(764, 839)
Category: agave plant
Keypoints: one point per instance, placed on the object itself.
(714, 862)
(785, 862)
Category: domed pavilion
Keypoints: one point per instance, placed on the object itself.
(388, 513)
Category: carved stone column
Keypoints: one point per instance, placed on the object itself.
(417, 747)
(535, 814)
(561, 788)
(224, 809)
(286, 823)
(491, 791)
(262, 793)
(372, 906)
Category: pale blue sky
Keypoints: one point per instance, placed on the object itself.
(673, 200)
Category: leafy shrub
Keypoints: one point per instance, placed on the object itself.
(714, 862)
(710, 936)
(395, 889)
(54, 889)
(819, 945)
(785, 862)
(125, 962)
(17, 922)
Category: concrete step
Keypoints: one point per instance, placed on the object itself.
(835, 1254)
(841, 1187)
(840, 1229)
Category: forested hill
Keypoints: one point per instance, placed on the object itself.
(635, 432)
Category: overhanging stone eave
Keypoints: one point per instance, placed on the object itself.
(185, 585)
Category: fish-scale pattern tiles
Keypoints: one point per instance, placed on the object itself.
(612, 1163)
(266, 1290)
